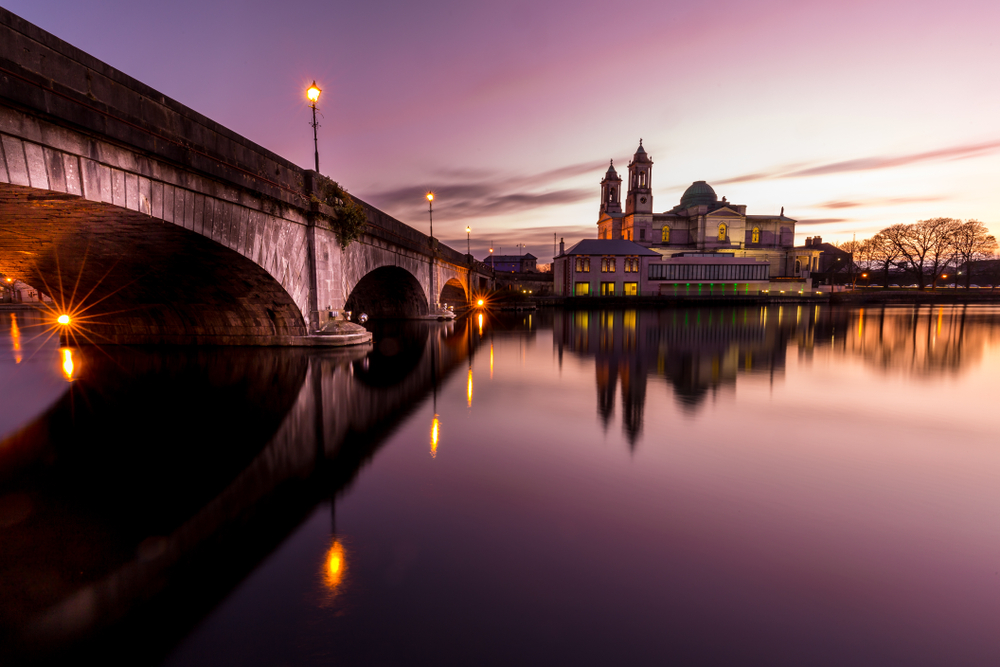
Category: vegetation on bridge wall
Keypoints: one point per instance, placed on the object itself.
(351, 217)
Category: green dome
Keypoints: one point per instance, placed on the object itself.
(699, 193)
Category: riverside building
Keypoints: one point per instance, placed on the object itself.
(703, 245)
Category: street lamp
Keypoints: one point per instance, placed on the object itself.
(313, 94)
(430, 211)
(430, 216)
(468, 240)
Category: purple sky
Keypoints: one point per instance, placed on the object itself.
(852, 115)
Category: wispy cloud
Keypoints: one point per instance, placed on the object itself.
(869, 163)
(483, 193)
(882, 201)
(820, 221)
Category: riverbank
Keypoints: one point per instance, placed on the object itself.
(916, 296)
(856, 297)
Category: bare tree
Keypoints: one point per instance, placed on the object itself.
(883, 252)
(972, 242)
(927, 246)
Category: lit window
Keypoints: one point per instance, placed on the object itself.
(631, 289)
(607, 289)
(722, 231)
(582, 289)
(755, 235)
(666, 235)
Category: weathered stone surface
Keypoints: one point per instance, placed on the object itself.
(194, 219)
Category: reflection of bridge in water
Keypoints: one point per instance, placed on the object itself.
(167, 477)
(698, 351)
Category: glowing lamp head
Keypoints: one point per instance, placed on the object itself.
(313, 92)
(468, 230)
(430, 196)
(63, 320)
(479, 303)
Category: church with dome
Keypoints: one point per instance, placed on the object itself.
(703, 246)
(700, 223)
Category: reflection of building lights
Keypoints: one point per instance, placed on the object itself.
(468, 389)
(480, 325)
(67, 362)
(15, 337)
(333, 572)
(435, 426)
(491, 361)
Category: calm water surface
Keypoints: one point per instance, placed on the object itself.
(794, 485)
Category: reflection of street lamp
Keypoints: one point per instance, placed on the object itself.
(313, 94)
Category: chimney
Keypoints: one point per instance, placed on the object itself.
(809, 241)
(562, 247)
(817, 240)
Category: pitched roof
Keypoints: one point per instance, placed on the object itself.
(608, 247)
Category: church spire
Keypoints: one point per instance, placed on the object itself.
(611, 188)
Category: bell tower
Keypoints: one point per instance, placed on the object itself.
(640, 192)
(611, 192)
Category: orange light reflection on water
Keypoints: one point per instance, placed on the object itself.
(468, 389)
(435, 427)
(334, 566)
(15, 337)
(67, 362)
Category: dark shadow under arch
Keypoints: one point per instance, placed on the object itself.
(142, 280)
(388, 292)
(453, 294)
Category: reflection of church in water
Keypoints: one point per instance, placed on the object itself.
(697, 351)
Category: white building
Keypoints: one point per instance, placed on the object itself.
(701, 225)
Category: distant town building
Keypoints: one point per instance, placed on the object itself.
(700, 224)
(525, 263)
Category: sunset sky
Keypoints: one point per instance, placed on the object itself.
(852, 115)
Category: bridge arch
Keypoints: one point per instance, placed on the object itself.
(453, 293)
(388, 292)
(134, 279)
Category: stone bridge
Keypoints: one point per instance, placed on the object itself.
(155, 224)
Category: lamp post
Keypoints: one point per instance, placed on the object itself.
(468, 240)
(430, 212)
(430, 216)
(313, 94)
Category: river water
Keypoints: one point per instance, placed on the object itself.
(780, 485)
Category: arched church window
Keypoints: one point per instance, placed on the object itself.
(722, 231)
(755, 237)
(666, 234)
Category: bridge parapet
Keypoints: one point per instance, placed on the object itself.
(44, 73)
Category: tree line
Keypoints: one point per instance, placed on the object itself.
(930, 248)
